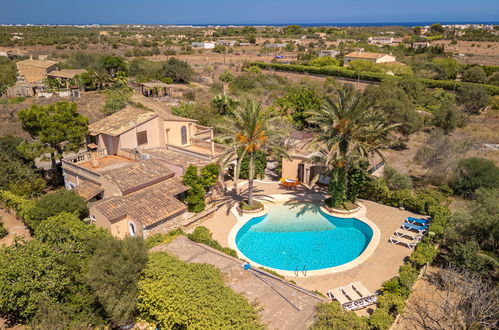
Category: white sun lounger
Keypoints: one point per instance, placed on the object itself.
(410, 234)
(410, 243)
(337, 294)
(364, 292)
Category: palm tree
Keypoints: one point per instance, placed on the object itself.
(251, 129)
(348, 129)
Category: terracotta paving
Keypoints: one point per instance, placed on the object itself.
(382, 265)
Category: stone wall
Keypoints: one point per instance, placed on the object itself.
(173, 222)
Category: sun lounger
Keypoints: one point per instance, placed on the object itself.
(410, 243)
(409, 226)
(417, 221)
(337, 294)
(410, 234)
(364, 292)
(350, 292)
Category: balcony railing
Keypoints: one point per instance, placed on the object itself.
(85, 157)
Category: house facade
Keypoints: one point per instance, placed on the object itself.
(131, 173)
(373, 57)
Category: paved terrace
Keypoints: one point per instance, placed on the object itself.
(382, 265)
(283, 305)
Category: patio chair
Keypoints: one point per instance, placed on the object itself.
(419, 229)
(410, 243)
(345, 302)
(364, 292)
(417, 221)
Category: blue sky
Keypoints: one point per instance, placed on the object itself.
(244, 11)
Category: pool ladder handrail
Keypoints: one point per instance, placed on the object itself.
(303, 271)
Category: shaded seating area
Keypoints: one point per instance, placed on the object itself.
(289, 183)
(411, 232)
(352, 296)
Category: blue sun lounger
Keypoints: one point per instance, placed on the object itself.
(417, 221)
(410, 226)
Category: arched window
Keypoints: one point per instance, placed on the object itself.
(131, 229)
(183, 134)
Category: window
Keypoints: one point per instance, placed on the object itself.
(131, 229)
(183, 134)
(142, 138)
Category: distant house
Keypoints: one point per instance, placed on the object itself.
(230, 43)
(420, 45)
(35, 70)
(13, 53)
(275, 45)
(203, 45)
(373, 57)
(380, 40)
(331, 53)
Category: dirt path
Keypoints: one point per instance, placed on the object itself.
(14, 226)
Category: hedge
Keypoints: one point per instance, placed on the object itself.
(369, 76)
(177, 295)
(20, 205)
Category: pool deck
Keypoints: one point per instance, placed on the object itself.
(381, 265)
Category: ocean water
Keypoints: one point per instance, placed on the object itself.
(302, 237)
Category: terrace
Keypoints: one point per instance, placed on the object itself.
(381, 264)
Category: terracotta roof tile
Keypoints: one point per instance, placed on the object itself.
(147, 206)
(122, 121)
(88, 190)
(139, 175)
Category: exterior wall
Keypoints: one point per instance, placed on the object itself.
(386, 59)
(120, 229)
(347, 59)
(290, 167)
(174, 136)
(173, 222)
(129, 138)
(100, 219)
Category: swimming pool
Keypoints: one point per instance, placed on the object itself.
(297, 237)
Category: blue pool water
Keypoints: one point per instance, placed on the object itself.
(302, 236)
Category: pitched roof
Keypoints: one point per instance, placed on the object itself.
(36, 63)
(365, 55)
(139, 175)
(122, 121)
(66, 73)
(147, 206)
(88, 190)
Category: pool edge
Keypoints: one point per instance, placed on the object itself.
(281, 198)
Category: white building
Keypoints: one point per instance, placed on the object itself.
(373, 57)
(380, 40)
(329, 52)
(204, 45)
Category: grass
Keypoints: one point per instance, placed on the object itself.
(245, 206)
(13, 100)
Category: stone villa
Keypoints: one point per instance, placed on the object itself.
(131, 173)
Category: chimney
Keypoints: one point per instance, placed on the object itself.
(94, 158)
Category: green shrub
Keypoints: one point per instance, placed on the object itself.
(370, 76)
(396, 180)
(473, 173)
(52, 204)
(178, 295)
(203, 235)
(245, 206)
(380, 319)
(165, 238)
(20, 205)
(424, 253)
(3, 230)
(333, 316)
(392, 303)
